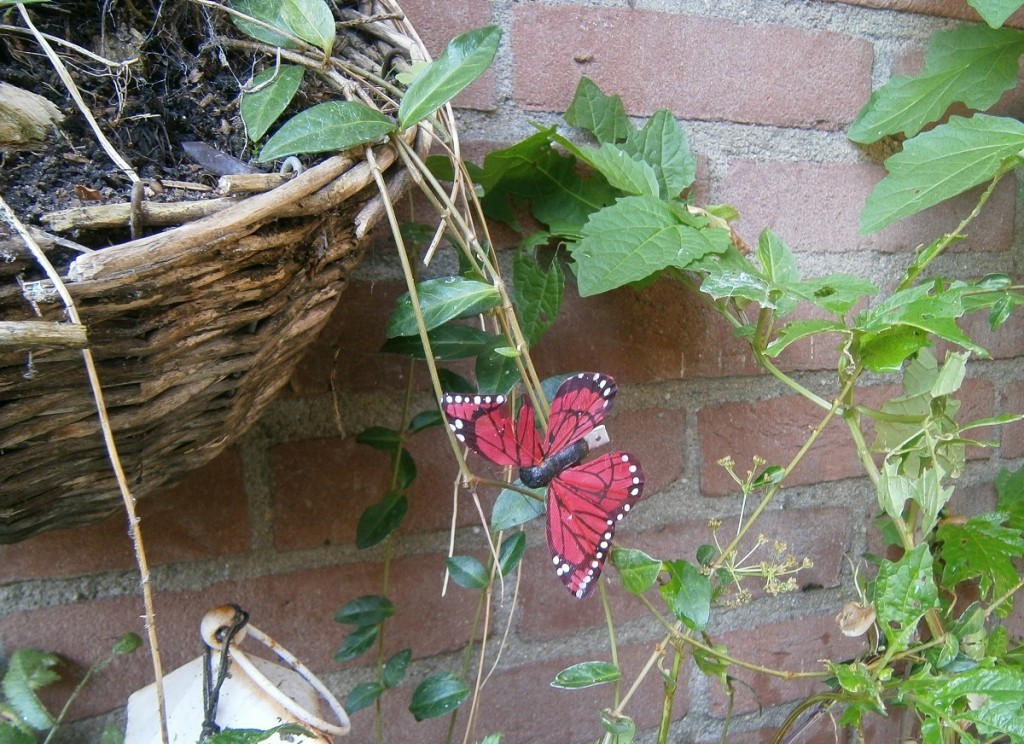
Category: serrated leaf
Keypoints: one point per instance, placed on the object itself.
(602, 115)
(970, 64)
(370, 609)
(447, 342)
(637, 570)
(1000, 692)
(511, 553)
(586, 674)
(995, 12)
(269, 12)
(904, 592)
(442, 300)
(334, 126)
(27, 671)
(310, 20)
(379, 520)
(437, 695)
(776, 259)
(464, 59)
(395, 668)
(261, 108)
(635, 238)
(738, 283)
(800, 329)
(620, 170)
(362, 696)
(254, 736)
(836, 293)
(513, 508)
(983, 548)
(537, 295)
(941, 163)
(687, 594)
(357, 643)
(468, 572)
(1010, 487)
(662, 144)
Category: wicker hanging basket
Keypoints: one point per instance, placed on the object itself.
(194, 329)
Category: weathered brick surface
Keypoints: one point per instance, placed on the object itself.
(819, 78)
(945, 8)
(792, 646)
(295, 609)
(204, 517)
(781, 195)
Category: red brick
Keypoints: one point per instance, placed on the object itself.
(438, 23)
(295, 609)
(709, 69)
(945, 8)
(204, 516)
(322, 487)
(1013, 435)
(822, 535)
(793, 646)
(780, 196)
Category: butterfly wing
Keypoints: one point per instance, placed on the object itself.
(484, 423)
(580, 404)
(584, 505)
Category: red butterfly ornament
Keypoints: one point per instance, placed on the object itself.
(585, 499)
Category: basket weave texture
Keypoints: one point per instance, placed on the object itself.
(193, 329)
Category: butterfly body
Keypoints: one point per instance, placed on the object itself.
(586, 499)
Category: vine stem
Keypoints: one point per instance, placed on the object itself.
(135, 530)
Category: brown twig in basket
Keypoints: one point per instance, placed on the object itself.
(115, 460)
(65, 77)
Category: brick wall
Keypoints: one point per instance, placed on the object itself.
(765, 91)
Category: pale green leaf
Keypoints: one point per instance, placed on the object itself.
(269, 12)
(800, 329)
(637, 569)
(586, 674)
(621, 171)
(662, 144)
(310, 20)
(602, 115)
(995, 12)
(904, 592)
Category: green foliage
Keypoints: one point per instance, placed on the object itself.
(586, 674)
(437, 695)
(254, 736)
(327, 127)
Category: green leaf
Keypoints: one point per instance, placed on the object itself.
(687, 594)
(511, 552)
(982, 548)
(357, 643)
(447, 342)
(800, 329)
(621, 727)
(951, 376)
(513, 508)
(1000, 695)
(310, 20)
(1010, 487)
(586, 674)
(904, 592)
(327, 127)
(837, 293)
(491, 739)
(620, 170)
(442, 300)
(379, 520)
(776, 259)
(437, 695)
(261, 108)
(468, 572)
(496, 370)
(368, 610)
(941, 163)
(970, 64)
(363, 695)
(270, 12)
(127, 644)
(425, 420)
(663, 145)
(601, 115)
(463, 60)
(995, 12)
(395, 668)
(537, 294)
(9, 732)
(254, 736)
(380, 438)
(27, 671)
(637, 569)
(636, 237)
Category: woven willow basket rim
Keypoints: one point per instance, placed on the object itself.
(194, 328)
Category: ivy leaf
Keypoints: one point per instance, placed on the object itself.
(326, 127)
(982, 548)
(395, 668)
(270, 97)
(537, 294)
(602, 115)
(442, 300)
(464, 59)
(357, 643)
(438, 694)
(970, 64)
(663, 145)
(511, 553)
(636, 237)
(370, 609)
(468, 572)
(363, 695)
(586, 674)
(513, 508)
(447, 342)
(379, 520)
(995, 12)
(687, 594)
(637, 569)
(941, 163)
(904, 592)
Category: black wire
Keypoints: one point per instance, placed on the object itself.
(211, 691)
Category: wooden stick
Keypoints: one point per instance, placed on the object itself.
(29, 333)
